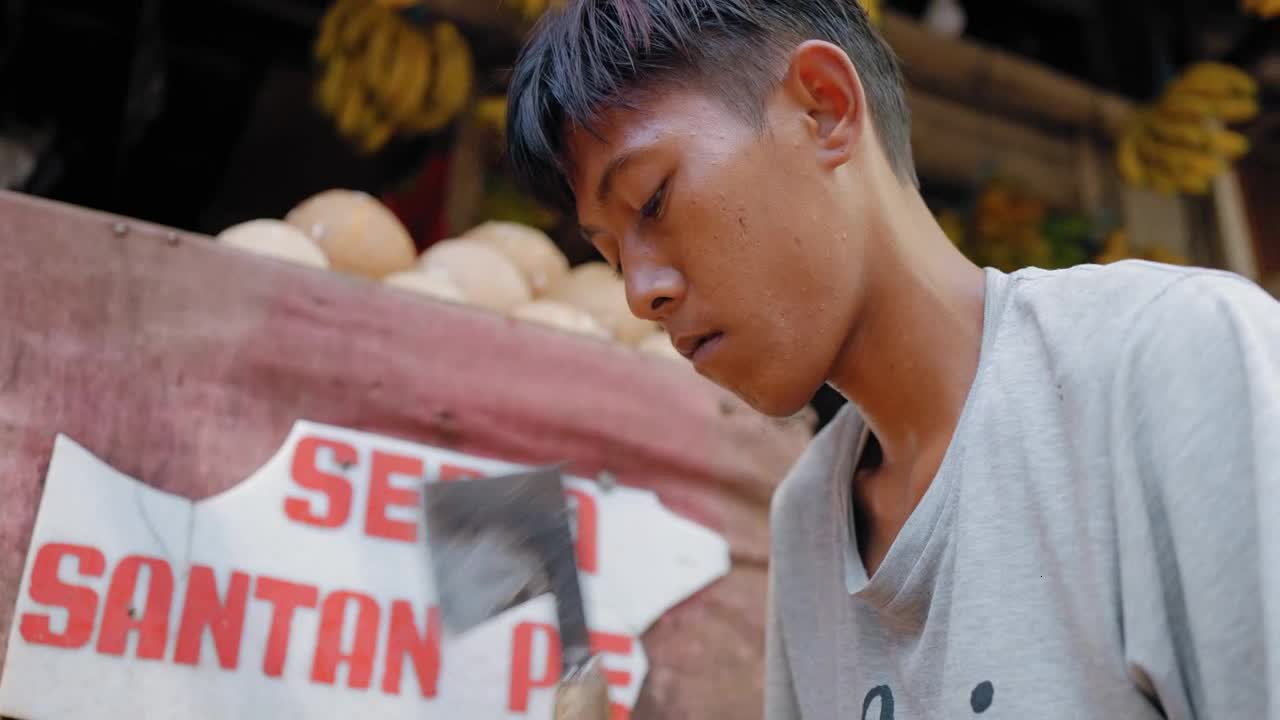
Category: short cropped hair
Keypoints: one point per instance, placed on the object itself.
(595, 55)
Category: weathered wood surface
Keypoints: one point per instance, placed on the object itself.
(184, 364)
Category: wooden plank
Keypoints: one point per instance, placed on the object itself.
(956, 144)
(988, 78)
(184, 363)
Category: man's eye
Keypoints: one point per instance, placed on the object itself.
(654, 205)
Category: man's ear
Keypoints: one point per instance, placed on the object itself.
(822, 81)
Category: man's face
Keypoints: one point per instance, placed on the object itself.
(736, 242)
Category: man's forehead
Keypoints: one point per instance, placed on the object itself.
(614, 132)
(641, 123)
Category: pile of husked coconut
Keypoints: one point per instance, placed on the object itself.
(505, 267)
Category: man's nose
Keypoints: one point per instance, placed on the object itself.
(654, 288)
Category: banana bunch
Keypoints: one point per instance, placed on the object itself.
(1265, 8)
(383, 75)
(1181, 143)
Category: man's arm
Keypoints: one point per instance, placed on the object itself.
(1195, 427)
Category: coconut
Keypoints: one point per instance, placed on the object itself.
(596, 288)
(560, 315)
(432, 283)
(276, 239)
(588, 274)
(485, 276)
(357, 232)
(659, 343)
(539, 260)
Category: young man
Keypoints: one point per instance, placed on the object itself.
(1052, 494)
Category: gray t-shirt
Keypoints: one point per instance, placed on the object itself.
(1102, 538)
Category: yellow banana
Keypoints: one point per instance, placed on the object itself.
(382, 52)
(352, 105)
(377, 132)
(1239, 109)
(1181, 160)
(1216, 80)
(354, 37)
(1186, 107)
(1187, 169)
(335, 19)
(1229, 144)
(401, 67)
(451, 80)
(1129, 163)
(329, 93)
(1176, 130)
(1193, 183)
(414, 68)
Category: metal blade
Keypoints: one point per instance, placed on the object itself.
(497, 542)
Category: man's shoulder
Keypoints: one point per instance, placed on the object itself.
(1136, 301)
(1087, 315)
(1118, 286)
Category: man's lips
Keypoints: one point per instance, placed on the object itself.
(697, 345)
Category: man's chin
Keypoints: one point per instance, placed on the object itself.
(780, 403)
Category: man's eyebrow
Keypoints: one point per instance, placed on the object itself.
(605, 187)
(611, 171)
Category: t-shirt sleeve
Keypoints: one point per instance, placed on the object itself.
(1195, 430)
(779, 689)
(780, 701)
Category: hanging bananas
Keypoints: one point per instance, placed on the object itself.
(1265, 8)
(1181, 143)
(382, 75)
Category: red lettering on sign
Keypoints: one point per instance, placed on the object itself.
(422, 648)
(120, 616)
(587, 523)
(522, 678)
(285, 597)
(80, 602)
(383, 494)
(603, 643)
(329, 653)
(336, 489)
(201, 609)
(449, 473)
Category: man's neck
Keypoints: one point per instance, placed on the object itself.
(909, 364)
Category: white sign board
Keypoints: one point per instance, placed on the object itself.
(306, 592)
